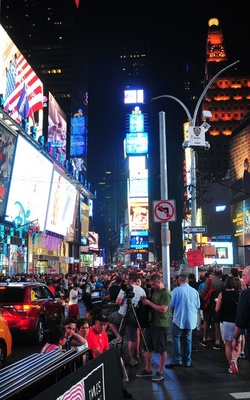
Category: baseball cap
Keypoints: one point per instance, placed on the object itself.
(102, 318)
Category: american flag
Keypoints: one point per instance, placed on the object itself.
(20, 75)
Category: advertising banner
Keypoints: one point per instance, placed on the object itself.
(7, 146)
(30, 185)
(20, 87)
(61, 205)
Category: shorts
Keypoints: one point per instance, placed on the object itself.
(210, 316)
(227, 331)
(156, 338)
(73, 310)
(130, 329)
(115, 318)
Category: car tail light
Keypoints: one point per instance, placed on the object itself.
(23, 307)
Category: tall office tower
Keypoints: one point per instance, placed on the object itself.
(135, 71)
(228, 99)
(46, 34)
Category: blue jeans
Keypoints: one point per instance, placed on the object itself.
(186, 334)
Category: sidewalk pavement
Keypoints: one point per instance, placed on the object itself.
(207, 378)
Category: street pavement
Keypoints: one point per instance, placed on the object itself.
(207, 378)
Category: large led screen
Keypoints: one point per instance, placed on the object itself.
(73, 234)
(138, 183)
(137, 162)
(61, 205)
(224, 254)
(239, 165)
(139, 257)
(20, 87)
(57, 131)
(139, 240)
(136, 143)
(138, 214)
(136, 122)
(7, 146)
(133, 96)
(78, 136)
(84, 220)
(93, 241)
(30, 185)
(79, 143)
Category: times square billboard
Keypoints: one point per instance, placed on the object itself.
(136, 149)
(7, 150)
(55, 128)
(79, 143)
(21, 91)
(239, 171)
(30, 185)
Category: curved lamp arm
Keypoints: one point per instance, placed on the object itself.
(178, 101)
(206, 89)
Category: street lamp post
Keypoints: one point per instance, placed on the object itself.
(192, 122)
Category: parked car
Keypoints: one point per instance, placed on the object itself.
(29, 308)
(5, 341)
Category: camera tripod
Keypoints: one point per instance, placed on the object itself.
(127, 318)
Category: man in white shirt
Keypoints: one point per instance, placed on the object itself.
(73, 307)
(116, 317)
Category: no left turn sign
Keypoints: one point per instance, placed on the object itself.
(164, 211)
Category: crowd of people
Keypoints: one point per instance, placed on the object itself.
(228, 312)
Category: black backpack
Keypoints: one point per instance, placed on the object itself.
(144, 313)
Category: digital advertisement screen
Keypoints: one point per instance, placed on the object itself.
(138, 183)
(239, 166)
(79, 164)
(136, 123)
(84, 219)
(93, 241)
(133, 96)
(7, 147)
(30, 185)
(78, 136)
(73, 234)
(61, 205)
(139, 240)
(57, 131)
(224, 254)
(138, 257)
(136, 143)
(241, 222)
(137, 162)
(20, 87)
(138, 214)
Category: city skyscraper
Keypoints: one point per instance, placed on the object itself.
(228, 99)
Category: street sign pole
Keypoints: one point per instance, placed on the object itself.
(165, 234)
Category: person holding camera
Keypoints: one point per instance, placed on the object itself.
(156, 334)
(129, 292)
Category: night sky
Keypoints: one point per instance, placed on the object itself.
(177, 32)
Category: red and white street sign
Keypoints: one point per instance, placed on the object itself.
(31, 230)
(164, 210)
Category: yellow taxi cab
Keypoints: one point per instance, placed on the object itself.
(5, 341)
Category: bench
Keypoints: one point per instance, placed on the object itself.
(32, 375)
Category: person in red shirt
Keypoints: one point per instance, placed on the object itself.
(97, 337)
